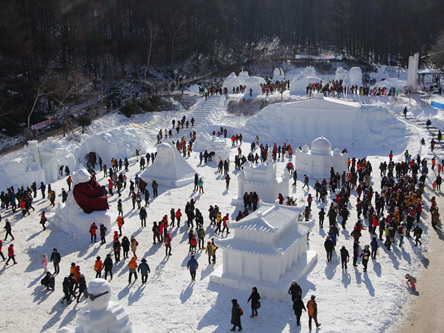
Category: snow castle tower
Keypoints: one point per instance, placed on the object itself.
(317, 161)
(268, 249)
(262, 179)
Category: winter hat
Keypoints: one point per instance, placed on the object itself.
(98, 258)
(234, 301)
(313, 296)
(143, 260)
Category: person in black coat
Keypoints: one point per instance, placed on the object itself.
(66, 290)
(8, 229)
(344, 257)
(48, 281)
(103, 230)
(55, 258)
(255, 302)
(328, 245)
(82, 286)
(108, 265)
(295, 290)
(125, 246)
(236, 315)
(298, 305)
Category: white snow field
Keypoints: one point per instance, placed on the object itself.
(348, 301)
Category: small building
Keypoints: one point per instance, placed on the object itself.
(263, 180)
(268, 250)
(317, 161)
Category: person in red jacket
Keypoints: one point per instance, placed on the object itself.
(167, 243)
(224, 221)
(93, 231)
(11, 254)
(110, 186)
(178, 216)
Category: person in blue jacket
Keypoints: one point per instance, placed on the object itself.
(192, 266)
(144, 269)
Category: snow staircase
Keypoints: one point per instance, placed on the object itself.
(432, 130)
(208, 111)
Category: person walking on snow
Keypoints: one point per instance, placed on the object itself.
(298, 306)
(236, 313)
(201, 189)
(312, 309)
(11, 254)
(192, 266)
(132, 269)
(8, 229)
(344, 257)
(144, 269)
(255, 302)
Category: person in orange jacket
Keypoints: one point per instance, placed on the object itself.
(312, 309)
(98, 266)
(120, 222)
(93, 231)
(132, 269)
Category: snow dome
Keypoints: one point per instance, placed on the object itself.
(318, 161)
(321, 146)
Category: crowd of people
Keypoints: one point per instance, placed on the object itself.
(396, 211)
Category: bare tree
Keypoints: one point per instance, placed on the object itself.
(153, 32)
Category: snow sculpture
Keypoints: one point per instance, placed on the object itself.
(88, 193)
(210, 143)
(298, 84)
(318, 161)
(100, 315)
(262, 179)
(268, 250)
(72, 218)
(355, 75)
(412, 78)
(169, 168)
(344, 122)
(251, 82)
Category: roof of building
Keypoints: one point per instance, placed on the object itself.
(291, 236)
(269, 218)
(321, 146)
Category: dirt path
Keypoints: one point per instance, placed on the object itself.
(424, 313)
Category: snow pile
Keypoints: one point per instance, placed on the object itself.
(169, 168)
(212, 143)
(251, 82)
(70, 218)
(345, 124)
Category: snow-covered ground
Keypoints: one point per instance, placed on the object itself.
(350, 300)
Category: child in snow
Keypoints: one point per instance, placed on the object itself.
(45, 263)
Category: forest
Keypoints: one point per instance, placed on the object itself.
(101, 39)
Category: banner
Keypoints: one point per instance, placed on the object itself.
(318, 57)
(43, 124)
